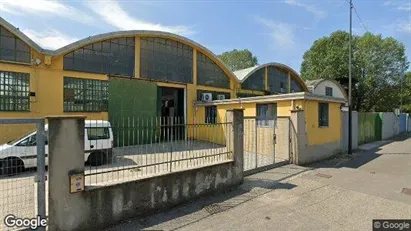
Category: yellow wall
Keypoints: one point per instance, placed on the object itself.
(320, 135)
(315, 134)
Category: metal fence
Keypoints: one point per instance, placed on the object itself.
(135, 148)
(22, 169)
(369, 127)
(260, 143)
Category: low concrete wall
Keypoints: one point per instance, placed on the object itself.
(354, 129)
(313, 153)
(109, 205)
(96, 208)
(390, 125)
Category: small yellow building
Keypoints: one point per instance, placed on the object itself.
(315, 119)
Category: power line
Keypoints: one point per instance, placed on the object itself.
(359, 18)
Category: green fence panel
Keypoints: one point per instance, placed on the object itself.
(369, 127)
(132, 111)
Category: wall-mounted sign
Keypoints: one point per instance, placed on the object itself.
(76, 183)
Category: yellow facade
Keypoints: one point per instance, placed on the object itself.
(47, 81)
(315, 134)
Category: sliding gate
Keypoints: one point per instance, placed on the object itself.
(261, 144)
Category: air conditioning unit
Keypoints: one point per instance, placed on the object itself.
(221, 97)
(207, 97)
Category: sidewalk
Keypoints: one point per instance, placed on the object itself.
(343, 193)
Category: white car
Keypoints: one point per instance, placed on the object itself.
(21, 153)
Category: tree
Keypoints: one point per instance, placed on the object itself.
(378, 64)
(238, 59)
(406, 93)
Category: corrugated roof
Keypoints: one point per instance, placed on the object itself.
(314, 82)
(243, 73)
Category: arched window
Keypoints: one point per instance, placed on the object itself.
(166, 59)
(13, 48)
(113, 56)
(255, 82)
(277, 80)
(295, 87)
(210, 74)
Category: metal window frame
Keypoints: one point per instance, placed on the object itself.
(166, 53)
(208, 70)
(322, 121)
(15, 50)
(18, 96)
(83, 85)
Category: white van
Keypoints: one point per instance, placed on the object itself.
(21, 153)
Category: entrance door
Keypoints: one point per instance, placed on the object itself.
(172, 113)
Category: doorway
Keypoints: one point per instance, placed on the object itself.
(172, 108)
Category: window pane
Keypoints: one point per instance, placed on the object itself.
(104, 57)
(277, 80)
(85, 95)
(98, 133)
(255, 82)
(209, 74)
(14, 91)
(163, 59)
(10, 44)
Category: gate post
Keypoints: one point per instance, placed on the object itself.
(66, 148)
(41, 170)
(235, 140)
(298, 136)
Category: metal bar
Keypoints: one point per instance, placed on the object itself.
(256, 140)
(41, 170)
(21, 121)
(149, 165)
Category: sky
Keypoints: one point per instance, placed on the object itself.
(273, 30)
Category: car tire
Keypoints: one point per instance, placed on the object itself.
(97, 159)
(12, 166)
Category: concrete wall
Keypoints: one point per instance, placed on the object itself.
(409, 123)
(100, 207)
(390, 125)
(354, 129)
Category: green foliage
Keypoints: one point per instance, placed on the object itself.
(406, 93)
(238, 59)
(378, 65)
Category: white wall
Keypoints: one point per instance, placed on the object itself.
(390, 125)
(320, 89)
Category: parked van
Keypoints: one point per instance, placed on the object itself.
(21, 153)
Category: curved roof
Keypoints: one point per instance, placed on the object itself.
(243, 74)
(21, 35)
(316, 82)
(116, 34)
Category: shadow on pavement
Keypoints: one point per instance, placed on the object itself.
(359, 157)
(202, 207)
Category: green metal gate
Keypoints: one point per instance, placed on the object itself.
(369, 127)
(132, 110)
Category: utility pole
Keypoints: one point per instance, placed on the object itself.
(402, 79)
(349, 86)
